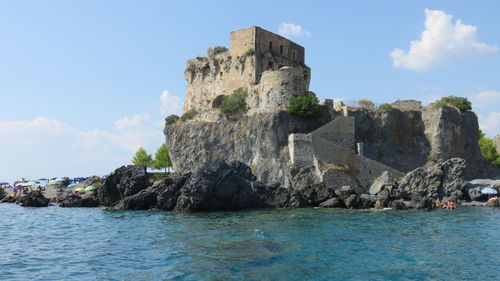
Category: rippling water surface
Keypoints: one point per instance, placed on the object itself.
(308, 244)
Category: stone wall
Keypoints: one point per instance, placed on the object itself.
(210, 77)
(405, 105)
(340, 131)
(242, 41)
(300, 149)
(276, 89)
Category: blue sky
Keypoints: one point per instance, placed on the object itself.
(83, 84)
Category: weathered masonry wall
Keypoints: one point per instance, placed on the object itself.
(269, 42)
(242, 41)
(301, 149)
(340, 131)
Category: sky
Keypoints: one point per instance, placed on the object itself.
(85, 83)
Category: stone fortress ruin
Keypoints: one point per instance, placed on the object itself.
(269, 67)
(353, 143)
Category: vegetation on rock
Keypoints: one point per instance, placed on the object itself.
(249, 52)
(219, 49)
(171, 119)
(461, 103)
(488, 149)
(385, 107)
(234, 103)
(188, 115)
(365, 103)
(162, 158)
(304, 106)
(142, 158)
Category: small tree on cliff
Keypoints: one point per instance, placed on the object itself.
(162, 158)
(304, 106)
(142, 158)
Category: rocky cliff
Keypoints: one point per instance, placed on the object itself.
(403, 140)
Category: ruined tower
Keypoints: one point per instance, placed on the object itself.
(270, 67)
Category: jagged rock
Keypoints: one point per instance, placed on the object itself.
(73, 200)
(352, 202)
(367, 201)
(123, 182)
(397, 205)
(317, 193)
(218, 187)
(169, 191)
(332, 203)
(143, 200)
(34, 199)
(3, 194)
(386, 180)
(438, 181)
(344, 192)
(473, 188)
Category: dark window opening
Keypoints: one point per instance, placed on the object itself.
(293, 55)
(281, 49)
(300, 62)
(270, 65)
(270, 45)
(305, 77)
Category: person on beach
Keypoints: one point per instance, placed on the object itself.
(437, 203)
(490, 200)
(450, 205)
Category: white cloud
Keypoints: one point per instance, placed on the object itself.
(170, 104)
(485, 98)
(441, 42)
(134, 121)
(48, 147)
(490, 124)
(290, 29)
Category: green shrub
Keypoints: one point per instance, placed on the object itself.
(461, 103)
(365, 103)
(488, 149)
(304, 106)
(234, 103)
(188, 115)
(171, 119)
(249, 52)
(219, 49)
(385, 107)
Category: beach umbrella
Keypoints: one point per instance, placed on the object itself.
(80, 189)
(488, 190)
(13, 187)
(71, 185)
(4, 183)
(90, 188)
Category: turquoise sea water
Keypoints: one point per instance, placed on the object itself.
(307, 244)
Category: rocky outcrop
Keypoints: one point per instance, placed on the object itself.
(34, 199)
(473, 188)
(73, 200)
(260, 142)
(423, 186)
(123, 182)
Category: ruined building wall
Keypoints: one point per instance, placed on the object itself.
(268, 88)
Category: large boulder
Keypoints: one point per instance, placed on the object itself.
(218, 187)
(444, 179)
(332, 203)
(123, 182)
(317, 193)
(143, 200)
(73, 200)
(34, 199)
(385, 181)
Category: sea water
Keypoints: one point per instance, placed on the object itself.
(303, 244)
